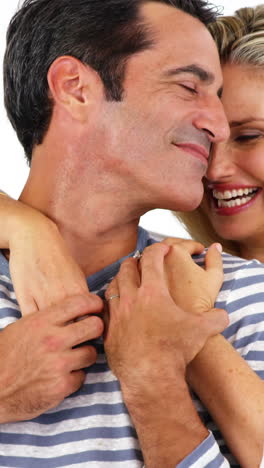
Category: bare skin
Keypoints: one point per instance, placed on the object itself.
(218, 369)
(98, 158)
(26, 232)
(237, 163)
(48, 368)
(132, 334)
(207, 378)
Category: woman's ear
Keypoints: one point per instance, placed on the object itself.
(74, 86)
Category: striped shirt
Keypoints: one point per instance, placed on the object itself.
(92, 427)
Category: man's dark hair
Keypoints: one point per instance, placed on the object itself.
(100, 33)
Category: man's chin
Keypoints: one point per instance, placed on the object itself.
(189, 203)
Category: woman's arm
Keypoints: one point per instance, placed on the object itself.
(42, 269)
(234, 395)
(228, 387)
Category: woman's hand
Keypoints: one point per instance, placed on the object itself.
(229, 389)
(42, 269)
(192, 287)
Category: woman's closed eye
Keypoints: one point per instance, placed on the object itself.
(247, 137)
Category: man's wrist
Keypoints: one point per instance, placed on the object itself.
(166, 422)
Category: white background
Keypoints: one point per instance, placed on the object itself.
(13, 167)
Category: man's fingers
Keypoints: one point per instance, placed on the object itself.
(207, 326)
(216, 321)
(27, 304)
(193, 247)
(74, 381)
(128, 278)
(152, 264)
(112, 289)
(81, 357)
(74, 307)
(84, 330)
(112, 297)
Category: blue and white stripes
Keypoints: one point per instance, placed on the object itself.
(92, 428)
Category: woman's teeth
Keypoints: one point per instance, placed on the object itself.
(232, 203)
(232, 198)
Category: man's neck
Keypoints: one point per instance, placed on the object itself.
(96, 230)
(95, 206)
(96, 251)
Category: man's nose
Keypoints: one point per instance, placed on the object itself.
(221, 166)
(212, 120)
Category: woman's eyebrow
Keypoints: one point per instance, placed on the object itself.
(237, 123)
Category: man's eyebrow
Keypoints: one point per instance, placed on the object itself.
(199, 72)
(193, 69)
(237, 123)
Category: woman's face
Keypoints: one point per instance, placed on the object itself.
(234, 199)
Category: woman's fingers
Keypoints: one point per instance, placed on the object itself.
(42, 269)
(214, 263)
(193, 247)
(213, 257)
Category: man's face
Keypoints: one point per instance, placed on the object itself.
(158, 138)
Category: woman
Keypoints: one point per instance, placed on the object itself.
(231, 375)
(232, 210)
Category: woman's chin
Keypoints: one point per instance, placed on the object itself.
(233, 232)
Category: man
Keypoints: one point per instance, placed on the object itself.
(116, 110)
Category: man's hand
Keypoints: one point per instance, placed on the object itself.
(149, 342)
(192, 287)
(146, 326)
(40, 364)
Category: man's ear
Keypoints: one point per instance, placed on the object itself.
(74, 86)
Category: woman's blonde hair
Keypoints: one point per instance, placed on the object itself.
(240, 41)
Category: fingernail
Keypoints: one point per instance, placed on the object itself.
(219, 247)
